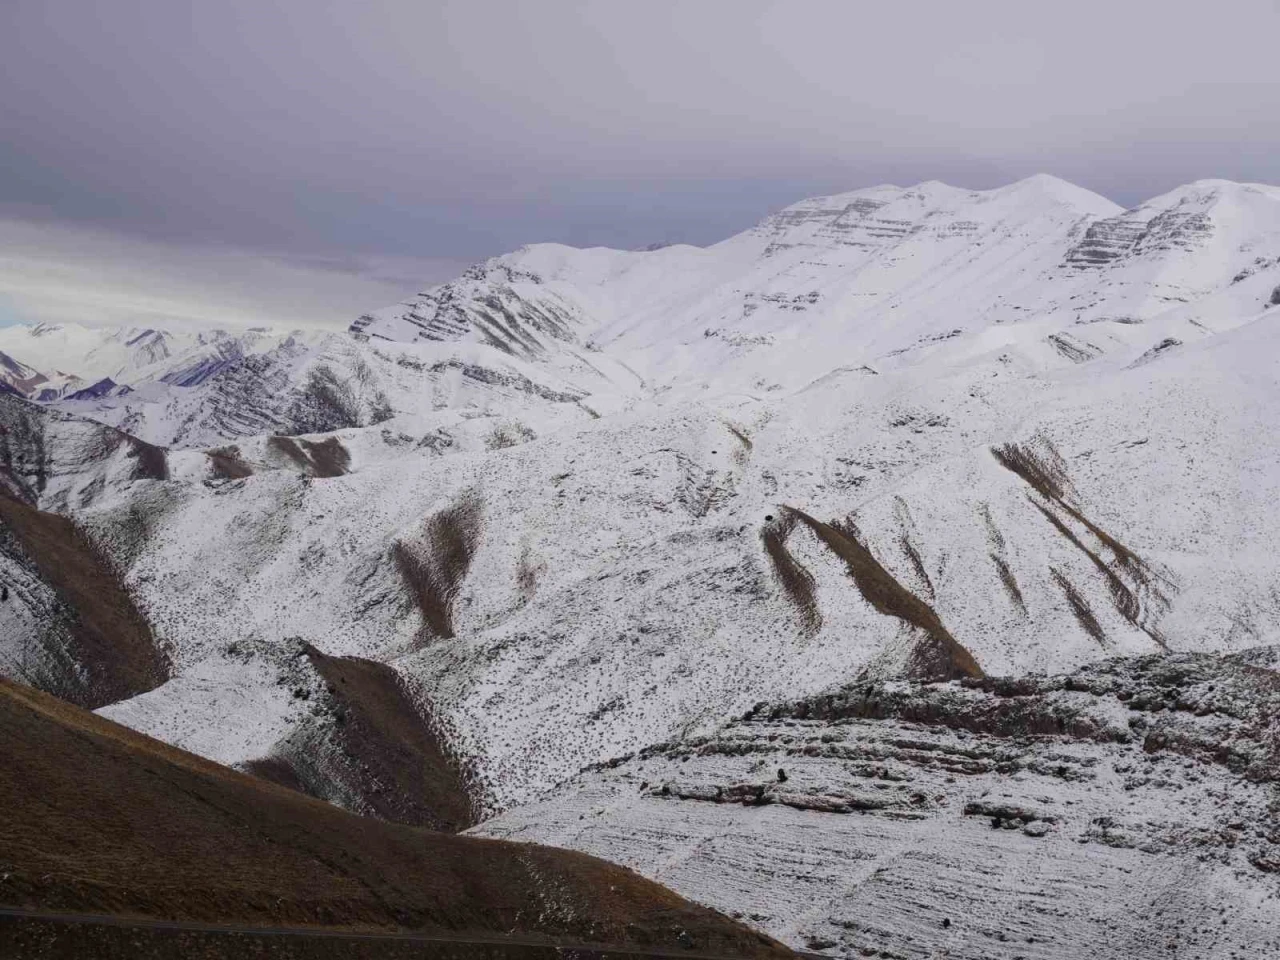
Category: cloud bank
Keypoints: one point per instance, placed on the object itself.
(459, 129)
(57, 273)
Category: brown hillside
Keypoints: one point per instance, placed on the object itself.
(388, 754)
(100, 819)
(111, 653)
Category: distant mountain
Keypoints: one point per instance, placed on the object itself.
(18, 376)
(589, 508)
(96, 391)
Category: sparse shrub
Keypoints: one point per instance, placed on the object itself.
(509, 434)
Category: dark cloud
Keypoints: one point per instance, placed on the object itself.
(332, 128)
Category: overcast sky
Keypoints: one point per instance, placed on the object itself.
(292, 161)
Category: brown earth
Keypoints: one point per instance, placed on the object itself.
(226, 463)
(1042, 468)
(434, 564)
(387, 754)
(42, 938)
(102, 820)
(152, 461)
(937, 655)
(317, 458)
(1080, 607)
(1010, 583)
(796, 580)
(1046, 473)
(112, 653)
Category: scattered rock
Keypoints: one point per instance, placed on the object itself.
(1267, 860)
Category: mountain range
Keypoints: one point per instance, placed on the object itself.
(896, 576)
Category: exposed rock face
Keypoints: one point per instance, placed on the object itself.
(63, 461)
(505, 309)
(1176, 224)
(17, 377)
(95, 391)
(1130, 235)
(294, 388)
(1126, 810)
(1105, 241)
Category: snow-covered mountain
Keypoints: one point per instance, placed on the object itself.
(585, 507)
(17, 376)
(201, 389)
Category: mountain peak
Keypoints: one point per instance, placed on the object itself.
(1064, 191)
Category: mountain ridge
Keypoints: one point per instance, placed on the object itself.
(575, 505)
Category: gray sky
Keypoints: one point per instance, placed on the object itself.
(256, 158)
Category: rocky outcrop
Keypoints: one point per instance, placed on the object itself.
(987, 817)
(18, 377)
(59, 460)
(1138, 232)
(1106, 241)
(491, 303)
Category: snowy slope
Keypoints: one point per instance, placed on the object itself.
(1119, 812)
(574, 537)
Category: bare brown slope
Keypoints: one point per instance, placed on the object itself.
(382, 752)
(226, 463)
(325, 458)
(939, 656)
(110, 653)
(434, 564)
(1042, 468)
(796, 580)
(100, 819)
(106, 938)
